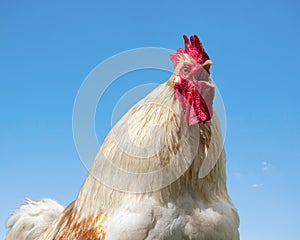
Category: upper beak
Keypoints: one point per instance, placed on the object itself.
(207, 65)
(204, 75)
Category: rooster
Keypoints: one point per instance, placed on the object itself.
(159, 174)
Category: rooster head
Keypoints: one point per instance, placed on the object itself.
(193, 87)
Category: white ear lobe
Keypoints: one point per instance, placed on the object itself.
(176, 79)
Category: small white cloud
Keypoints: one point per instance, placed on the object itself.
(257, 185)
(237, 175)
(265, 166)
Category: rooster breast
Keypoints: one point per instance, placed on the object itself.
(187, 218)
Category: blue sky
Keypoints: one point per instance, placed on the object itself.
(48, 48)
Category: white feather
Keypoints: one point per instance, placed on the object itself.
(31, 219)
(187, 218)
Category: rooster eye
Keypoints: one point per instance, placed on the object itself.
(185, 70)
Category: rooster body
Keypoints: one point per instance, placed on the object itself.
(195, 205)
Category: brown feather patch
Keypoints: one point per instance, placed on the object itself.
(89, 228)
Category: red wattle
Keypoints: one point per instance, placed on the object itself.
(196, 99)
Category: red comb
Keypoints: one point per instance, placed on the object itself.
(194, 48)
